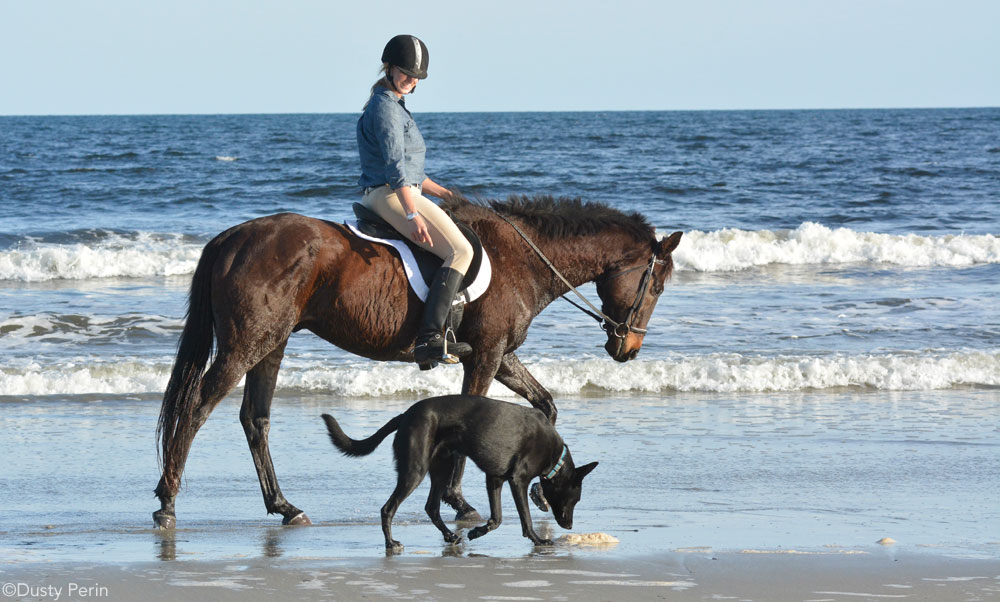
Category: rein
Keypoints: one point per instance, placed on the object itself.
(607, 323)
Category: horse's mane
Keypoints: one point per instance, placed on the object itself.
(564, 217)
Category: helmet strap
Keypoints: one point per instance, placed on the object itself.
(392, 81)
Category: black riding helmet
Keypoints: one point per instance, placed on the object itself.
(407, 53)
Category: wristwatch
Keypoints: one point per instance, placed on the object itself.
(412, 216)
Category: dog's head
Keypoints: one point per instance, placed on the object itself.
(563, 492)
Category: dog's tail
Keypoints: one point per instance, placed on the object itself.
(353, 447)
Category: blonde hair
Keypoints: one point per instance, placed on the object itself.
(382, 82)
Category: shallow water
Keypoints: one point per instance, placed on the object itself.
(822, 370)
(811, 472)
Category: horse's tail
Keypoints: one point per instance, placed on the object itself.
(193, 353)
(353, 447)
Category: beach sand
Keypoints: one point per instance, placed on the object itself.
(767, 498)
(678, 576)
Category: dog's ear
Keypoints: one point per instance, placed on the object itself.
(582, 471)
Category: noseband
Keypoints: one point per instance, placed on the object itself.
(619, 330)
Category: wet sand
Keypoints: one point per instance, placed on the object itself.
(678, 576)
(762, 497)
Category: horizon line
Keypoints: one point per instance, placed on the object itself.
(262, 113)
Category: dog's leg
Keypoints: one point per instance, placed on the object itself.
(494, 485)
(441, 468)
(519, 488)
(408, 479)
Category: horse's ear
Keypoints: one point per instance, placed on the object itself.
(668, 244)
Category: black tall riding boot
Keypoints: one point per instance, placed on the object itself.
(432, 345)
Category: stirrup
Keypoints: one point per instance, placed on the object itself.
(437, 352)
(449, 358)
(444, 358)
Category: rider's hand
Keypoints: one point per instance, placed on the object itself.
(419, 232)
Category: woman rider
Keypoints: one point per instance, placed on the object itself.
(392, 175)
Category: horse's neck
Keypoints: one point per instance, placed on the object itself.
(584, 258)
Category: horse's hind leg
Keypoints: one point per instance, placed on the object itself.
(222, 376)
(255, 415)
(464, 512)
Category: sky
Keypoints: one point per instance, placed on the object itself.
(70, 57)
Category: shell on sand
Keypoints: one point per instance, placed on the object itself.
(588, 539)
(886, 541)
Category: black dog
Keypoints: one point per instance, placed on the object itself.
(507, 441)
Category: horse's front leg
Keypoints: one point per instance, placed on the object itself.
(516, 377)
(256, 418)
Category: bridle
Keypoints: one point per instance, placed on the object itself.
(619, 330)
(644, 284)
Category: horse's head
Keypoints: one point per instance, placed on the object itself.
(629, 294)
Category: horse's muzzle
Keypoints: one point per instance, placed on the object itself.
(623, 349)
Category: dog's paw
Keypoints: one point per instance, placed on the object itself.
(393, 547)
(453, 538)
(545, 543)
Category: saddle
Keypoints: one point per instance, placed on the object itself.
(371, 226)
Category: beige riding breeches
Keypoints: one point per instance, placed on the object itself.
(449, 242)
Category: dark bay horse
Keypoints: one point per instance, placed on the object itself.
(262, 280)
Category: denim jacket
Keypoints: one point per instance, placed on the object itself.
(389, 143)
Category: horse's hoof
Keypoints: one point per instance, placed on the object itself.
(298, 520)
(163, 520)
(468, 515)
(536, 495)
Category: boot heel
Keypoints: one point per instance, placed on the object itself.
(427, 366)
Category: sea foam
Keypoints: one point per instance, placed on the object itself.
(115, 256)
(148, 254)
(811, 243)
(725, 373)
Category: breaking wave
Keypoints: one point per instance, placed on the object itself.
(146, 254)
(731, 250)
(113, 255)
(726, 373)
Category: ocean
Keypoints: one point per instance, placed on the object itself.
(826, 357)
